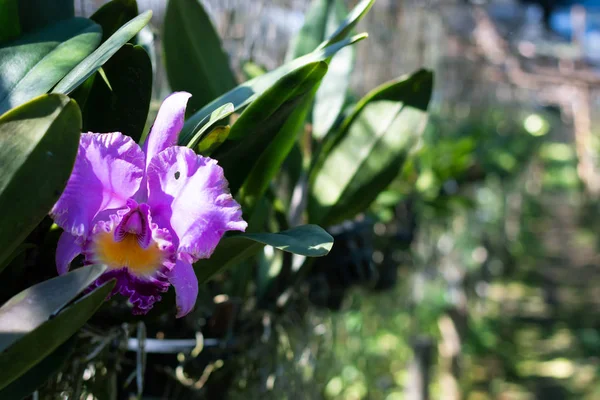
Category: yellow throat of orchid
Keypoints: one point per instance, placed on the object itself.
(127, 253)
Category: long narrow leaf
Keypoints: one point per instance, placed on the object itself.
(262, 121)
(10, 27)
(35, 346)
(95, 60)
(36, 14)
(32, 65)
(370, 149)
(306, 240)
(38, 145)
(244, 94)
(349, 22)
(113, 15)
(35, 305)
(194, 57)
(123, 106)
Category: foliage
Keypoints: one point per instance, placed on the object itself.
(256, 131)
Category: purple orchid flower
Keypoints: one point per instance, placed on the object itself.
(148, 215)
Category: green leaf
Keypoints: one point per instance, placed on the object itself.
(219, 114)
(23, 247)
(289, 176)
(213, 140)
(38, 145)
(113, 15)
(306, 240)
(269, 164)
(327, 18)
(33, 64)
(39, 374)
(10, 27)
(33, 306)
(36, 14)
(252, 70)
(123, 106)
(194, 57)
(259, 125)
(369, 150)
(37, 344)
(95, 60)
(230, 251)
(322, 19)
(331, 96)
(244, 94)
(82, 93)
(357, 13)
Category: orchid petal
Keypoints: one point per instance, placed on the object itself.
(189, 194)
(184, 280)
(66, 250)
(167, 125)
(108, 170)
(142, 293)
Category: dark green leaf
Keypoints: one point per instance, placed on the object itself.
(82, 93)
(40, 373)
(35, 305)
(33, 64)
(272, 158)
(95, 60)
(213, 140)
(244, 94)
(219, 114)
(10, 27)
(306, 240)
(38, 145)
(261, 122)
(370, 148)
(114, 15)
(36, 14)
(123, 106)
(230, 251)
(32, 348)
(194, 57)
(22, 248)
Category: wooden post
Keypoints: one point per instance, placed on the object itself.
(419, 370)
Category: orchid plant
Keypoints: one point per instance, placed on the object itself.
(202, 193)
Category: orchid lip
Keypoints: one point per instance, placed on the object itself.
(127, 253)
(135, 224)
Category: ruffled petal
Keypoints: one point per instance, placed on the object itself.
(67, 249)
(184, 280)
(142, 293)
(108, 170)
(167, 125)
(189, 194)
